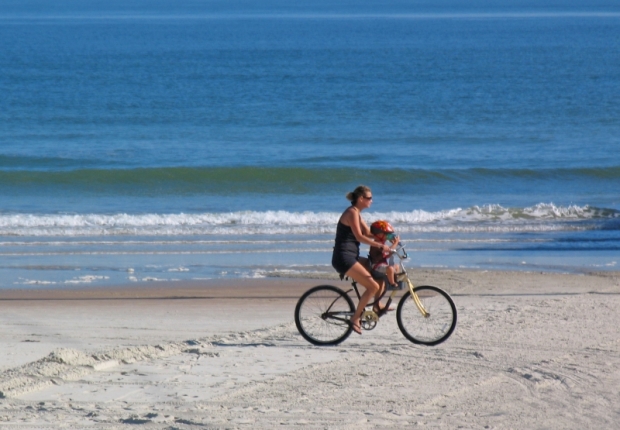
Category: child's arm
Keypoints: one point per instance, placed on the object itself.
(394, 243)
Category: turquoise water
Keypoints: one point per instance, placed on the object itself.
(143, 141)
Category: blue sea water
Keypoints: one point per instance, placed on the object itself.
(145, 141)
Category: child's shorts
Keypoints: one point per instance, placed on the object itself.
(381, 268)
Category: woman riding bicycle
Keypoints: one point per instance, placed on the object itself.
(350, 232)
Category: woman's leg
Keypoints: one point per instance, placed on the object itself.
(360, 275)
(364, 261)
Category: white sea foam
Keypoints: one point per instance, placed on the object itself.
(34, 282)
(86, 279)
(79, 280)
(477, 218)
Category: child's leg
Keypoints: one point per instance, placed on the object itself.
(390, 274)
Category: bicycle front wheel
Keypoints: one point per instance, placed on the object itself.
(322, 315)
(433, 328)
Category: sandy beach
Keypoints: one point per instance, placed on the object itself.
(530, 350)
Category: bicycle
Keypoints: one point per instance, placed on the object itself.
(426, 315)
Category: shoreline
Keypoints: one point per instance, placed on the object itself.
(454, 281)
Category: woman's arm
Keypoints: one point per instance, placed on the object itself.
(360, 230)
(364, 228)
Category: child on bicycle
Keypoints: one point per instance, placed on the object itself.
(381, 261)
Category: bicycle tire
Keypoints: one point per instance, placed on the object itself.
(430, 330)
(322, 314)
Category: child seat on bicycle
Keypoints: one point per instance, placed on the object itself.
(382, 263)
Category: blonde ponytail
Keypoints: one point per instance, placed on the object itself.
(357, 193)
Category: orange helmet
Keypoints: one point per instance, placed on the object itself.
(381, 226)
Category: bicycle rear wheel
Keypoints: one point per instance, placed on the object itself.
(427, 330)
(322, 315)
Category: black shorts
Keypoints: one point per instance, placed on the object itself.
(343, 261)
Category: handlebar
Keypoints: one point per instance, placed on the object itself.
(400, 252)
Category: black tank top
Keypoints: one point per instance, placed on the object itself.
(345, 239)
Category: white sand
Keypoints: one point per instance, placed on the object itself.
(529, 351)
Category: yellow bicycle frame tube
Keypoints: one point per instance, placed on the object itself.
(416, 299)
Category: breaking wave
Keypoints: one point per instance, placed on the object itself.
(541, 217)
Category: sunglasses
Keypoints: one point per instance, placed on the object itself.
(367, 198)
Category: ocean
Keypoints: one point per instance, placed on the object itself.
(160, 141)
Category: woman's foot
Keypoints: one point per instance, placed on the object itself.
(356, 326)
